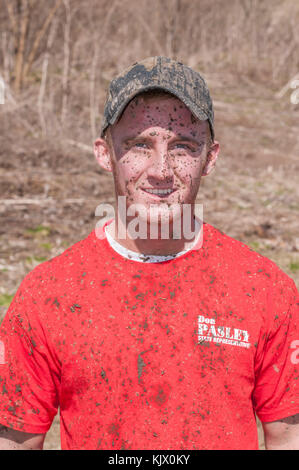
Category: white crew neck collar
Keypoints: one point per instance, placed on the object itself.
(144, 258)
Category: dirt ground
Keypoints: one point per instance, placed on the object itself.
(49, 190)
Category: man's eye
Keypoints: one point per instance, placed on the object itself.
(141, 145)
(184, 147)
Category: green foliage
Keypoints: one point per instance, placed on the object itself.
(34, 259)
(5, 300)
(46, 246)
(294, 266)
(40, 230)
(254, 245)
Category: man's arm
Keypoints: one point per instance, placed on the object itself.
(282, 434)
(10, 439)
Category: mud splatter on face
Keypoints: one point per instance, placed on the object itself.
(158, 144)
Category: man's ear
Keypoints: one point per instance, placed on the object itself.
(212, 156)
(102, 154)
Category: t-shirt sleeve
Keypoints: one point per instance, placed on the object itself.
(276, 363)
(29, 370)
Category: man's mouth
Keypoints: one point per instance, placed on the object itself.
(159, 192)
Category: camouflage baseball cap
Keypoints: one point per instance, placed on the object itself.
(164, 74)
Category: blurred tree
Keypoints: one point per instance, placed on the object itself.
(22, 15)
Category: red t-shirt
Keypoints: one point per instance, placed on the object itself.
(173, 355)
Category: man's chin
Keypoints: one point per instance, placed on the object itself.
(161, 216)
(163, 224)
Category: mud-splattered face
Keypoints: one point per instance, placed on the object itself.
(158, 145)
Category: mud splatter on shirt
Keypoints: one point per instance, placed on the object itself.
(149, 355)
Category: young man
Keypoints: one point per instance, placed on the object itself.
(147, 341)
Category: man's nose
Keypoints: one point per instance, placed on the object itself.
(160, 167)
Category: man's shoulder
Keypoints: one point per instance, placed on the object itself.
(70, 260)
(220, 242)
(53, 281)
(235, 254)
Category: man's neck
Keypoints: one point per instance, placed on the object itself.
(153, 246)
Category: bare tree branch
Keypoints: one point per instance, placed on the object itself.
(94, 65)
(80, 145)
(66, 61)
(21, 45)
(44, 76)
(12, 17)
(5, 55)
(39, 37)
(146, 27)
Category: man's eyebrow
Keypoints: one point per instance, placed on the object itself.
(135, 138)
(187, 138)
(176, 138)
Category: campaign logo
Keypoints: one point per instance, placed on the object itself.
(210, 332)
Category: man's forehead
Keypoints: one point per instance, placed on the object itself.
(157, 109)
(158, 98)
